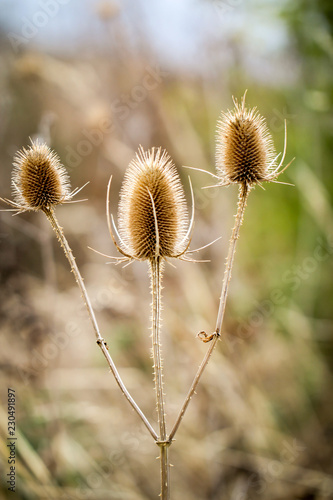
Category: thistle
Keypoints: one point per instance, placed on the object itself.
(245, 151)
(245, 156)
(152, 213)
(39, 180)
(153, 226)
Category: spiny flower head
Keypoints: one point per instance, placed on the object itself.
(153, 219)
(39, 180)
(245, 151)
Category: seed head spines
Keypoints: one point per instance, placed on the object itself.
(245, 151)
(152, 213)
(39, 180)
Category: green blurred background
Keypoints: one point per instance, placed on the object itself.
(96, 79)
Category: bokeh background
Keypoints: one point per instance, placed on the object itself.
(95, 80)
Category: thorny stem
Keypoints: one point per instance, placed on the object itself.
(165, 469)
(99, 339)
(244, 190)
(156, 279)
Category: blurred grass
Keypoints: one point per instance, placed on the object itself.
(261, 423)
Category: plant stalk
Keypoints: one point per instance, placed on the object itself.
(156, 281)
(243, 194)
(99, 339)
(244, 190)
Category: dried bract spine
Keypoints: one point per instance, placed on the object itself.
(245, 150)
(39, 180)
(153, 219)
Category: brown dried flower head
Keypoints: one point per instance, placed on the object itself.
(245, 150)
(153, 218)
(39, 180)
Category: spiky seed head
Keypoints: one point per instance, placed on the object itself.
(152, 211)
(39, 180)
(245, 151)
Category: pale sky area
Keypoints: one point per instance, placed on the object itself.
(178, 32)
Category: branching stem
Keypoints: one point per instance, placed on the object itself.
(99, 339)
(244, 190)
(156, 280)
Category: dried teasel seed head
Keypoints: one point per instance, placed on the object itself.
(245, 151)
(39, 180)
(152, 211)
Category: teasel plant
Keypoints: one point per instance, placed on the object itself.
(154, 225)
(245, 155)
(40, 183)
